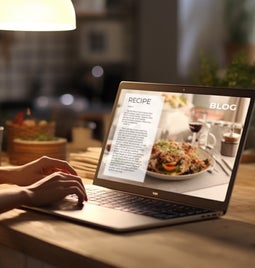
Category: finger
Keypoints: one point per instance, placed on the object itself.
(61, 177)
(51, 165)
(75, 179)
(51, 170)
(72, 184)
(64, 182)
(78, 192)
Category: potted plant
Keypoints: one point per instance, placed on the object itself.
(238, 73)
(240, 28)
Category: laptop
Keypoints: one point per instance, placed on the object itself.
(170, 156)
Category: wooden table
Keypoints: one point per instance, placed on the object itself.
(225, 242)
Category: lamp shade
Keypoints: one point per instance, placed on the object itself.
(37, 15)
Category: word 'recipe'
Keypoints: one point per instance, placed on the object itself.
(139, 100)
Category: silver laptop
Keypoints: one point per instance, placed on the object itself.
(170, 156)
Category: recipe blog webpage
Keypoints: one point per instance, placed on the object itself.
(170, 142)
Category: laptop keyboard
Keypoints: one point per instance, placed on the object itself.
(139, 205)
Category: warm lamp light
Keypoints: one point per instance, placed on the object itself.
(37, 15)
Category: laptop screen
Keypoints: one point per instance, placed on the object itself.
(174, 141)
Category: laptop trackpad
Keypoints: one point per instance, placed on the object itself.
(101, 216)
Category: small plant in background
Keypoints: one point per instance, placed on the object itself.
(208, 72)
(238, 73)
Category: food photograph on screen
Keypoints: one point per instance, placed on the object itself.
(180, 143)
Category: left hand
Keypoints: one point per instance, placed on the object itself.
(36, 170)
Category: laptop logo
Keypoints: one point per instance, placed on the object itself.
(155, 194)
(224, 106)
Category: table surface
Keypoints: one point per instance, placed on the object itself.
(225, 242)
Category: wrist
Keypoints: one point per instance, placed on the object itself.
(13, 197)
(25, 196)
(9, 175)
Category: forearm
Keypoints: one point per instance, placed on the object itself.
(10, 175)
(12, 198)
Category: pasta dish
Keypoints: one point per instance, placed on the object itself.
(176, 158)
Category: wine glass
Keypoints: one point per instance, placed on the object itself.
(195, 125)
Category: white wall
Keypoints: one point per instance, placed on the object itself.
(201, 28)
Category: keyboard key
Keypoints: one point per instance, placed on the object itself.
(140, 205)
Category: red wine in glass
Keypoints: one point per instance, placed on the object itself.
(195, 127)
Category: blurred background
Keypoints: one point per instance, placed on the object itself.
(72, 77)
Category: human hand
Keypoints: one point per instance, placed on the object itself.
(38, 169)
(53, 188)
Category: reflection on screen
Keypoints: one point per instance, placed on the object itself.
(174, 142)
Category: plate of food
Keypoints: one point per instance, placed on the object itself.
(171, 160)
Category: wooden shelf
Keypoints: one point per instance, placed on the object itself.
(108, 13)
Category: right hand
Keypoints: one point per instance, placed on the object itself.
(53, 188)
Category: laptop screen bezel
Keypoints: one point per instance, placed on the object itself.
(171, 196)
